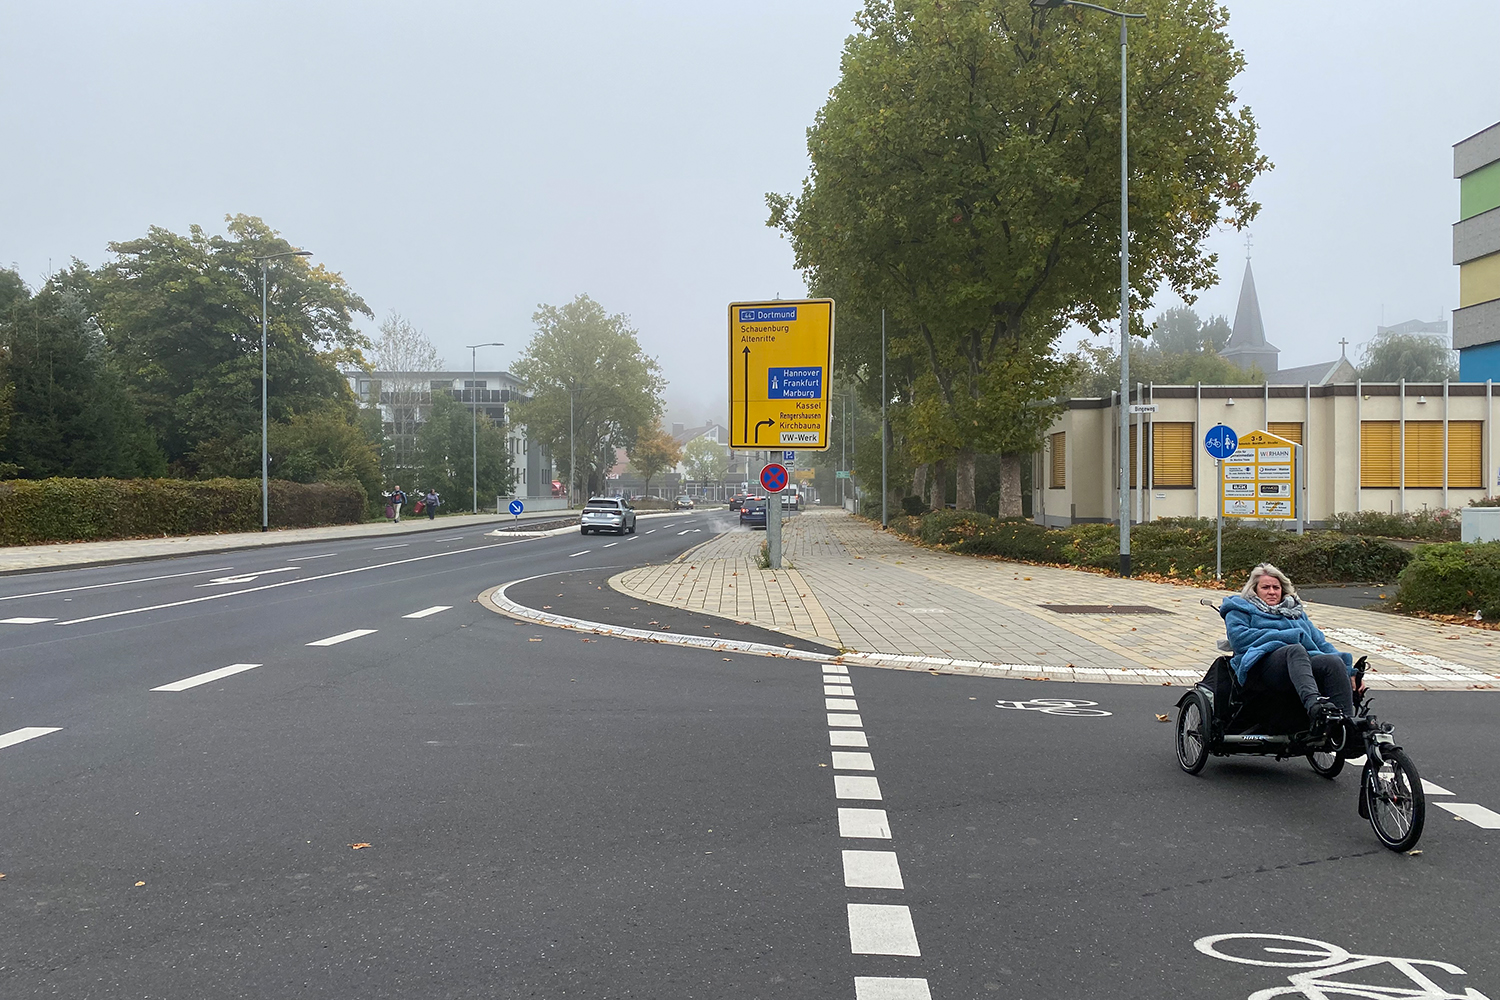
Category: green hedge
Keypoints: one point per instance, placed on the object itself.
(74, 510)
(1433, 525)
(1453, 578)
(1182, 547)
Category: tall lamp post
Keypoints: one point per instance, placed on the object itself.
(265, 462)
(1124, 488)
(474, 405)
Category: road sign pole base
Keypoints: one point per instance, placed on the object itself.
(773, 529)
(1124, 563)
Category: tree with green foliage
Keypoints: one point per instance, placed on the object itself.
(707, 461)
(324, 447)
(965, 177)
(1416, 357)
(445, 455)
(183, 317)
(584, 356)
(1181, 331)
(64, 408)
(1096, 369)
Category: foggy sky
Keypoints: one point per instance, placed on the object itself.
(464, 163)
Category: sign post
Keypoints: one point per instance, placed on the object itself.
(773, 479)
(780, 375)
(1220, 442)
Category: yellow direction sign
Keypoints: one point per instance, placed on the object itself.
(780, 367)
(1260, 479)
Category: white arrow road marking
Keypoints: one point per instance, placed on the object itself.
(219, 581)
(10, 739)
(25, 621)
(204, 678)
(429, 611)
(334, 640)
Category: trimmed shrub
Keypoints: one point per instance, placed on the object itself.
(914, 505)
(1453, 578)
(1436, 525)
(74, 510)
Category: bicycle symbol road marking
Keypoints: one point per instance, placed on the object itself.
(1324, 963)
(1056, 706)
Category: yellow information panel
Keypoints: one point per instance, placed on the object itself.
(780, 363)
(1260, 479)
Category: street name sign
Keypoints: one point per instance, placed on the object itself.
(1259, 478)
(780, 370)
(1142, 407)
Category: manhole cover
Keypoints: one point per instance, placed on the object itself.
(1104, 609)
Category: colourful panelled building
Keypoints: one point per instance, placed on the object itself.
(1476, 251)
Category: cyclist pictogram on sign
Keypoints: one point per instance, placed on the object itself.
(773, 478)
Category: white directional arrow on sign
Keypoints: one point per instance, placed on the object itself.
(220, 580)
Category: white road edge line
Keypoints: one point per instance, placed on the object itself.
(429, 611)
(204, 678)
(274, 586)
(15, 736)
(117, 583)
(334, 640)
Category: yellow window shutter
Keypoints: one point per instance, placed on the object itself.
(1058, 477)
(1379, 454)
(1424, 454)
(1290, 430)
(1171, 454)
(1465, 458)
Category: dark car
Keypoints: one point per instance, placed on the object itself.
(737, 500)
(753, 512)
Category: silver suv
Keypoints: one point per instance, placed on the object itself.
(607, 514)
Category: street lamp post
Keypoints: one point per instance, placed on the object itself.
(474, 406)
(1124, 487)
(265, 462)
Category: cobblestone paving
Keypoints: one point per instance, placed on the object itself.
(872, 591)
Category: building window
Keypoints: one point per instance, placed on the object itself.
(1424, 454)
(472, 384)
(1380, 454)
(1465, 456)
(1057, 476)
(1291, 431)
(363, 388)
(1171, 454)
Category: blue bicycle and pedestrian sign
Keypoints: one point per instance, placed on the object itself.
(773, 478)
(1221, 441)
(516, 507)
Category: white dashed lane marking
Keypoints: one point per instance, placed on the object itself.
(325, 555)
(838, 689)
(834, 668)
(881, 929)
(436, 608)
(1485, 819)
(10, 739)
(204, 678)
(577, 554)
(839, 719)
(25, 621)
(865, 824)
(334, 640)
(841, 704)
(847, 738)
(890, 988)
(856, 786)
(1434, 789)
(398, 545)
(852, 760)
(651, 532)
(872, 870)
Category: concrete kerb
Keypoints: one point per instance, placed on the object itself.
(501, 533)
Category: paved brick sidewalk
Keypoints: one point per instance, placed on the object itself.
(874, 592)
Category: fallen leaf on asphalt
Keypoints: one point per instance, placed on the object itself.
(726, 659)
(534, 639)
(139, 884)
(546, 607)
(822, 765)
(2, 874)
(359, 846)
(581, 639)
(1161, 718)
(1410, 854)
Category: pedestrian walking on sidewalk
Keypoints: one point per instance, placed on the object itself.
(432, 503)
(397, 498)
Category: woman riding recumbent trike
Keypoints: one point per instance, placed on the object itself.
(1286, 692)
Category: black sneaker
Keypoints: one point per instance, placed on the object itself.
(1326, 718)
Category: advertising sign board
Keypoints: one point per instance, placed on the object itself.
(1259, 477)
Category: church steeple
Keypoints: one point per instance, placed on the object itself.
(1247, 343)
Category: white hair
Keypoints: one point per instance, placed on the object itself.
(1266, 569)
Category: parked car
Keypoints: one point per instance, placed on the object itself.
(753, 512)
(790, 500)
(737, 500)
(684, 502)
(607, 514)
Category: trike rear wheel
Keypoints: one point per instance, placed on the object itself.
(1328, 765)
(1193, 735)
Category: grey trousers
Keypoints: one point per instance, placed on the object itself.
(1292, 668)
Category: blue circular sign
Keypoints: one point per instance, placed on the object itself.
(1221, 441)
(773, 478)
(516, 507)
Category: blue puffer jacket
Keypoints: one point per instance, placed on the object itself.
(1253, 634)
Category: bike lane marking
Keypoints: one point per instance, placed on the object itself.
(15, 736)
(874, 928)
(207, 677)
(334, 640)
(1485, 819)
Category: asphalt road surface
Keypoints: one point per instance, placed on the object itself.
(557, 815)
